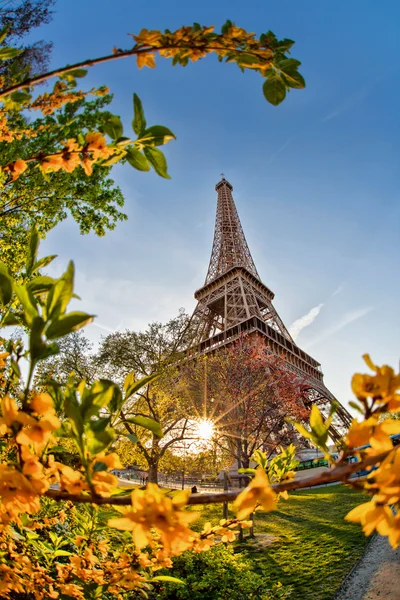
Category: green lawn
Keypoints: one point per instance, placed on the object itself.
(315, 548)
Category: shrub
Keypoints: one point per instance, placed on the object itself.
(218, 574)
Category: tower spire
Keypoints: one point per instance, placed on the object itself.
(234, 301)
(230, 248)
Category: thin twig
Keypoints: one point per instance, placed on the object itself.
(124, 54)
(340, 473)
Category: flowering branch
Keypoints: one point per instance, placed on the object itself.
(339, 473)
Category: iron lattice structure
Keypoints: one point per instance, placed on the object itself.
(234, 301)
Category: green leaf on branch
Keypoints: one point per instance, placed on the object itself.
(136, 159)
(7, 53)
(43, 262)
(158, 161)
(40, 284)
(4, 32)
(66, 324)
(159, 135)
(139, 122)
(274, 90)
(147, 423)
(293, 78)
(20, 97)
(113, 127)
(78, 73)
(319, 428)
(6, 285)
(61, 294)
(132, 437)
(131, 385)
(33, 250)
(168, 578)
(99, 440)
(28, 303)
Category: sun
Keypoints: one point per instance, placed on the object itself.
(205, 429)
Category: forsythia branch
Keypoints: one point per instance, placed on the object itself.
(340, 473)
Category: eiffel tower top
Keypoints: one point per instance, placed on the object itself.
(230, 248)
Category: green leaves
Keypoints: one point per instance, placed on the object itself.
(61, 294)
(20, 97)
(3, 33)
(274, 90)
(319, 433)
(43, 262)
(78, 73)
(159, 135)
(156, 135)
(131, 386)
(7, 53)
(167, 578)
(283, 76)
(136, 159)
(66, 324)
(6, 285)
(157, 159)
(139, 121)
(147, 423)
(113, 127)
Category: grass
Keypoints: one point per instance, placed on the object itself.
(314, 548)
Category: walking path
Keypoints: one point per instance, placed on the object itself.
(377, 576)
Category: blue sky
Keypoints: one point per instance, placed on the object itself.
(316, 180)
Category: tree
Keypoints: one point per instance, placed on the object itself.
(153, 351)
(249, 394)
(92, 202)
(75, 356)
(21, 16)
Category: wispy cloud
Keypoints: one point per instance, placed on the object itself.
(345, 320)
(280, 149)
(104, 327)
(304, 321)
(338, 290)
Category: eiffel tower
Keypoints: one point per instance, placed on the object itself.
(234, 301)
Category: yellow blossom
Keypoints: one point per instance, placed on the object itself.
(42, 404)
(257, 492)
(373, 433)
(152, 509)
(104, 482)
(70, 161)
(71, 481)
(372, 517)
(52, 163)
(17, 493)
(17, 168)
(111, 461)
(148, 38)
(145, 60)
(38, 431)
(87, 165)
(9, 411)
(382, 386)
(97, 145)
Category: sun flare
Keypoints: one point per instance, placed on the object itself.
(205, 429)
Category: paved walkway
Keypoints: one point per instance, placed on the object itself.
(377, 576)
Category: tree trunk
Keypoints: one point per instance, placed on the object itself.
(153, 473)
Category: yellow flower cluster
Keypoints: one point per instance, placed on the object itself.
(257, 494)
(378, 394)
(153, 510)
(194, 43)
(72, 156)
(48, 103)
(21, 486)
